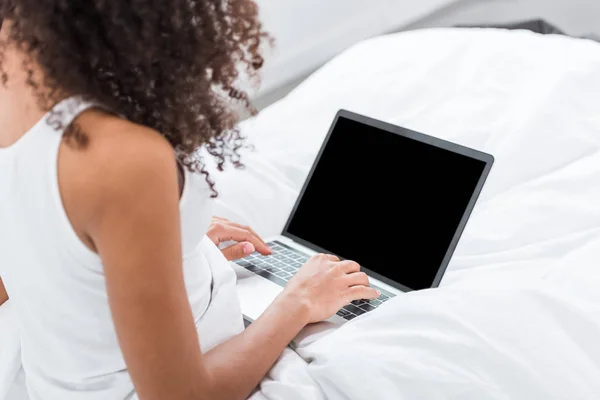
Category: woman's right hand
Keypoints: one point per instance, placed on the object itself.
(325, 284)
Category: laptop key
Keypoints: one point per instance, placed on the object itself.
(343, 313)
(367, 307)
(260, 263)
(272, 278)
(279, 267)
(253, 268)
(354, 310)
(350, 317)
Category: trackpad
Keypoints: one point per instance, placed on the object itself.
(255, 293)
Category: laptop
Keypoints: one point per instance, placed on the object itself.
(394, 200)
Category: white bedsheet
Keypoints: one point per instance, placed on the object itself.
(518, 314)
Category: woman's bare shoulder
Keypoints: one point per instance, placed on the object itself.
(119, 163)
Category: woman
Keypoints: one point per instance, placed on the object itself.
(101, 229)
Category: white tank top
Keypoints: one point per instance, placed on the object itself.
(57, 285)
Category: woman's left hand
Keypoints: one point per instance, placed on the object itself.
(222, 230)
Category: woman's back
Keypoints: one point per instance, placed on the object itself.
(106, 266)
(57, 284)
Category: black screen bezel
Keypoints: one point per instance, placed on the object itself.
(488, 159)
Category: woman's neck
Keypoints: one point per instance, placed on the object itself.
(19, 109)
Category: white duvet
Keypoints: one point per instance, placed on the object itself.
(518, 313)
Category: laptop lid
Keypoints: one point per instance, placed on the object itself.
(393, 200)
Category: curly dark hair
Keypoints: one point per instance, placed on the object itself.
(169, 65)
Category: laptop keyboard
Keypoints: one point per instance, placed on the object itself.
(283, 264)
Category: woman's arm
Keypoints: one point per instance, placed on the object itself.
(3, 294)
(133, 222)
(135, 227)
(319, 289)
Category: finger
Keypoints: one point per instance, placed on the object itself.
(349, 267)
(357, 279)
(326, 261)
(361, 292)
(246, 228)
(330, 257)
(228, 232)
(249, 229)
(238, 250)
(220, 219)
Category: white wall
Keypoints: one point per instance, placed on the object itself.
(310, 32)
(576, 17)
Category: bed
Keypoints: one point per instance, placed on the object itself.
(518, 314)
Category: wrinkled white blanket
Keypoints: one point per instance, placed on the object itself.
(536, 342)
(518, 314)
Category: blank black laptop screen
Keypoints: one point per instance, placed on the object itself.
(391, 203)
